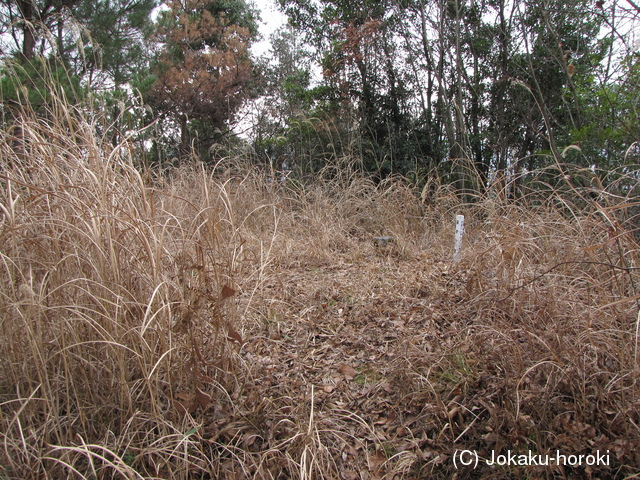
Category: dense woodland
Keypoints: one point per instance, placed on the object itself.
(464, 89)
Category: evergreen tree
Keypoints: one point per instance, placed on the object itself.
(204, 67)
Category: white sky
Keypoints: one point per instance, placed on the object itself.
(272, 19)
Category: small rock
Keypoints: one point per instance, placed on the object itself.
(383, 241)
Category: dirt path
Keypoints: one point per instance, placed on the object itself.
(355, 339)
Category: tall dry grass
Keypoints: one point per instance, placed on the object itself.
(133, 307)
(114, 303)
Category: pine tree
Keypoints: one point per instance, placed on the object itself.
(204, 65)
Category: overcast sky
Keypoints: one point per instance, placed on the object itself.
(271, 20)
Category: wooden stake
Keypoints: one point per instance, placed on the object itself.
(457, 246)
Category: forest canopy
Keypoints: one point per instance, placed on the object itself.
(467, 90)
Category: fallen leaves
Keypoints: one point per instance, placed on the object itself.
(234, 336)
(190, 402)
(348, 371)
(397, 374)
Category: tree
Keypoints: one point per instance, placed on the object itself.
(285, 103)
(474, 87)
(203, 69)
(74, 47)
(115, 45)
(357, 45)
(28, 20)
(104, 34)
(559, 50)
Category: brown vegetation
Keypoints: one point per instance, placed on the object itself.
(222, 325)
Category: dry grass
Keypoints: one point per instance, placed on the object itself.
(223, 325)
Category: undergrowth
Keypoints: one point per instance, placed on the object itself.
(220, 323)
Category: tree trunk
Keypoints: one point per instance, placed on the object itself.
(26, 9)
(184, 140)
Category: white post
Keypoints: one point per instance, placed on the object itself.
(457, 246)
